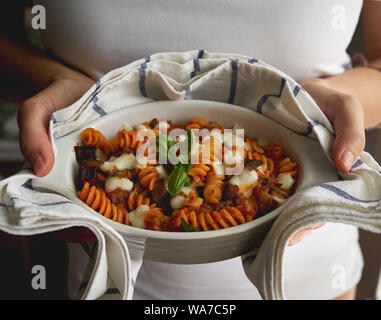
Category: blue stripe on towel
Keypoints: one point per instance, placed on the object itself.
(196, 68)
(142, 76)
(252, 60)
(53, 119)
(196, 63)
(97, 108)
(28, 184)
(311, 125)
(187, 92)
(358, 163)
(233, 81)
(6, 205)
(48, 204)
(264, 98)
(345, 195)
(97, 86)
(112, 291)
(296, 90)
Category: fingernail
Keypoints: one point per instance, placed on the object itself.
(347, 158)
(37, 162)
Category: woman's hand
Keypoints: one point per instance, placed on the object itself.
(34, 116)
(346, 116)
(33, 120)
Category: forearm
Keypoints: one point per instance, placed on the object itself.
(27, 70)
(364, 84)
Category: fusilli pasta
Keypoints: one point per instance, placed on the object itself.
(187, 195)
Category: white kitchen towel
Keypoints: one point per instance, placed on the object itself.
(244, 81)
(27, 211)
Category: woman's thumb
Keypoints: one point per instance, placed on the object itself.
(350, 134)
(33, 120)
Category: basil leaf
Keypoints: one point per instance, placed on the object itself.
(188, 227)
(191, 140)
(187, 181)
(177, 179)
(188, 166)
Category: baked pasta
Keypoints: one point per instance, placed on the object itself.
(196, 176)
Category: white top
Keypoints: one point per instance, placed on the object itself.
(96, 36)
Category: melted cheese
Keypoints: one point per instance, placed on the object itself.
(263, 142)
(230, 139)
(177, 202)
(136, 217)
(113, 183)
(141, 127)
(246, 182)
(126, 126)
(99, 155)
(285, 180)
(161, 171)
(278, 199)
(125, 161)
(163, 174)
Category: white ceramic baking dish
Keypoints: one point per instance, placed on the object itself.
(194, 247)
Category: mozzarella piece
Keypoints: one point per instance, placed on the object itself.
(141, 162)
(141, 127)
(125, 161)
(278, 199)
(286, 180)
(263, 142)
(161, 171)
(163, 174)
(99, 155)
(126, 126)
(113, 183)
(177, 202)
(246, 182)
(136, 217)
(230, 139)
